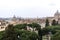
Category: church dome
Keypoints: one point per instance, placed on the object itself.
(57, 13)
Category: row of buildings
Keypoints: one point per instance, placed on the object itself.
(14, 20)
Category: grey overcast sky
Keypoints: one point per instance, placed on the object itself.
(28, 8)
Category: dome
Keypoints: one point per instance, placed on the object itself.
(57, 13)
(14, 16)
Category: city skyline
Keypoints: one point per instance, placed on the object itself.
(28, 8)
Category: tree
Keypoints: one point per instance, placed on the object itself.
(56, 36)
(54, 22)
(27, 35)
(34, 26)
(38, 28)
(1, 34)
(45, 31)
(10, 34)
(47, 23)
(40, 34)
(33, 36)
(21, 26)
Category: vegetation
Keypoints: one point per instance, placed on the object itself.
(54, 22)
(1, 34)
(9, 34)
(21, 26)
(16, 32)
(55, 31)
(56, 36)
(47, 23)
(27, 35)
(38, 28)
